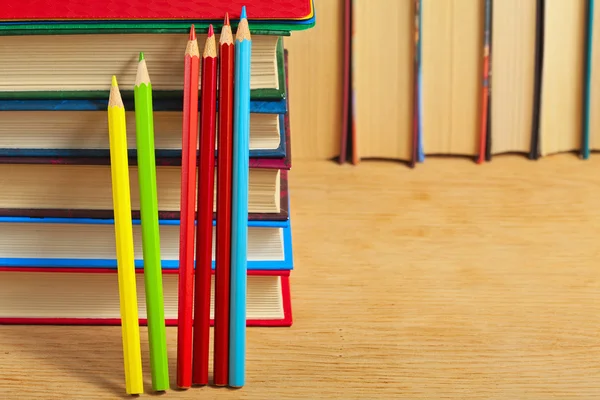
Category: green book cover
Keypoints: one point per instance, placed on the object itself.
(58, 28)
(274, 94)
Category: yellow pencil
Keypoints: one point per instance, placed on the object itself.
(124, 242)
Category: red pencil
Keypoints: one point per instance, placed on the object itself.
(223, 244)
(186, 231)
(204, 228)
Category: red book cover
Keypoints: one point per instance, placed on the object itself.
(285, 321)
(152, 10)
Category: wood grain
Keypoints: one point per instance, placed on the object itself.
(449, 281)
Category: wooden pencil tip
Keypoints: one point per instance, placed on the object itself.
(226, 35)
(192, 33)
(114, 97)
(243, 14)
(142, 76)
(243, 31)
(210, 49)
(141, 56)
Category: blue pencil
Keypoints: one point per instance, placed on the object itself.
(239, 203)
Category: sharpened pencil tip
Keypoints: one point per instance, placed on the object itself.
(243, 32)
(211, 32)
(141, 56)
(226, 19)
(114, 97)
(192, 33)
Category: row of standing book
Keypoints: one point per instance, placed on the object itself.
(112, 210)
(471, 78)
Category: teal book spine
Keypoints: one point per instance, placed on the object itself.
(587, 82)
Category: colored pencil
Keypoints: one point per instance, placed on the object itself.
(587, 81)
(189, 141)
(144, 126)
(239, 206)
(223, 223)
(485, 82)
(119, 166)
(204, 228)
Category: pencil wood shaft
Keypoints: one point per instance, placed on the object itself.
(188, 193)
(144, 123)
(223, 223)
(239, 213)
(204, 228)
(124, 242)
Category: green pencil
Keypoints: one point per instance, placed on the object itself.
(150, 235)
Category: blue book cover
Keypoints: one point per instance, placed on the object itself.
(89, 243)
(99, 145)
(101, 104)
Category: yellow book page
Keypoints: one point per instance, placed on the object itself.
(383, 78)
(315, 84)
(513, 73)
(452, 51)
(562, 80)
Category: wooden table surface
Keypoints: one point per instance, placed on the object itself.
(449, 281)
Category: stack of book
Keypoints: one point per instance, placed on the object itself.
(57, 239)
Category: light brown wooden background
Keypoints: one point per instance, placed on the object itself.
(315, 77)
